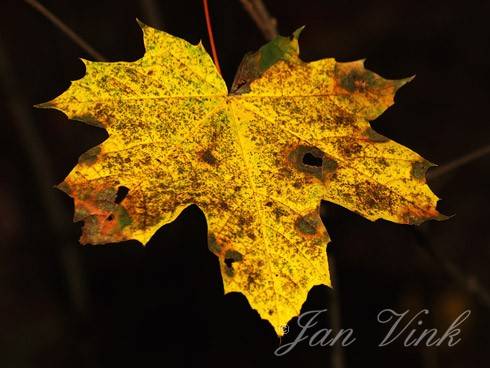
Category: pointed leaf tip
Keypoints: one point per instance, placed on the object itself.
(441, 217)
(402, 82)
(44, 105)
(85, 61)
(141, 24)
(297, 33)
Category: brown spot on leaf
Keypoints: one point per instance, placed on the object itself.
(251, 235)
(245, 221)
(308, 225)
(374, 136)
(89, 157)
(373, 196)
(208, 157)
(251, 279)
(278, 213)
(232, 256)
(330, 165)
(350, 148)
(352, 77)
(416, 216)
(383, 162)
(344, 119)
(419, 168)
(213, 245)
(106, 195)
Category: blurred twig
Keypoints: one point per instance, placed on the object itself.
(36, 153)
(258, 12)
(66, 30)
(444, 169)
(470, 283)
(152, 13)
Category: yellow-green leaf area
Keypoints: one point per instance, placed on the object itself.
(257, 161)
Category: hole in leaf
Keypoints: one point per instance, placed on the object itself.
(312, 160)
(232, 256)
(122, 192)
(110, 217)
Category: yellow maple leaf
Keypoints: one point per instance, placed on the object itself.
(257, 160)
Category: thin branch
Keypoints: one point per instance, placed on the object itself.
(472, 156)
(258, 12)
(43, 177)
(66, 30)
(468, 282)
(210, 34)
(152, 12)
(270, 23)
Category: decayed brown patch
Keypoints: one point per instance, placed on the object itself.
(372, 197)
(419, 168)
(208, 157)
(309, 225)
(213, 244)
(349, 147)
(374, 136)
(103, 218)
(89, 157)
(416, 216)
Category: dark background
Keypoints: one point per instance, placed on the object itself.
(67, 305)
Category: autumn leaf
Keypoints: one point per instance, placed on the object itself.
(257, 160)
